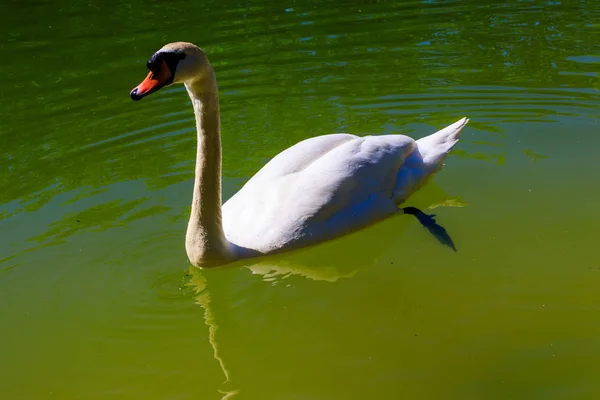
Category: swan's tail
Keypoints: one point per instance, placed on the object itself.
(435, 147)
(426, 160)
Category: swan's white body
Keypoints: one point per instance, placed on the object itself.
(316, 190)
(327, 186)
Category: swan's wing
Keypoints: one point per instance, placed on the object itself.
(316, 190)
(300, 155)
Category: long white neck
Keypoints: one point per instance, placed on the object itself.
(205, 241)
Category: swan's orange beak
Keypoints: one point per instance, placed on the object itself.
(153, 82)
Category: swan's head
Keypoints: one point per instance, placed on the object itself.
(177, 62)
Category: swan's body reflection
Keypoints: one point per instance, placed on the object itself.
(261, 328)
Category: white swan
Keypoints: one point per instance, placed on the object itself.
(316, 190)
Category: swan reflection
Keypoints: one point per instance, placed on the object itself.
(235, 306)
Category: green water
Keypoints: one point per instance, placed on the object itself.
(98, 300)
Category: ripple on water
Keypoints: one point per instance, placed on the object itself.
(141, 303)
(490, 103)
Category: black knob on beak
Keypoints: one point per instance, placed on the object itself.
(134, 95)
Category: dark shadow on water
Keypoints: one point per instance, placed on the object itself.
(432, 226)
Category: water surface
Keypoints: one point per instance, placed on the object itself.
(98, 300)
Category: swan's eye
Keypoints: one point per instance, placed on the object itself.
(171, 58)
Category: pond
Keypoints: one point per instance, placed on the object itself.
(98, 299)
